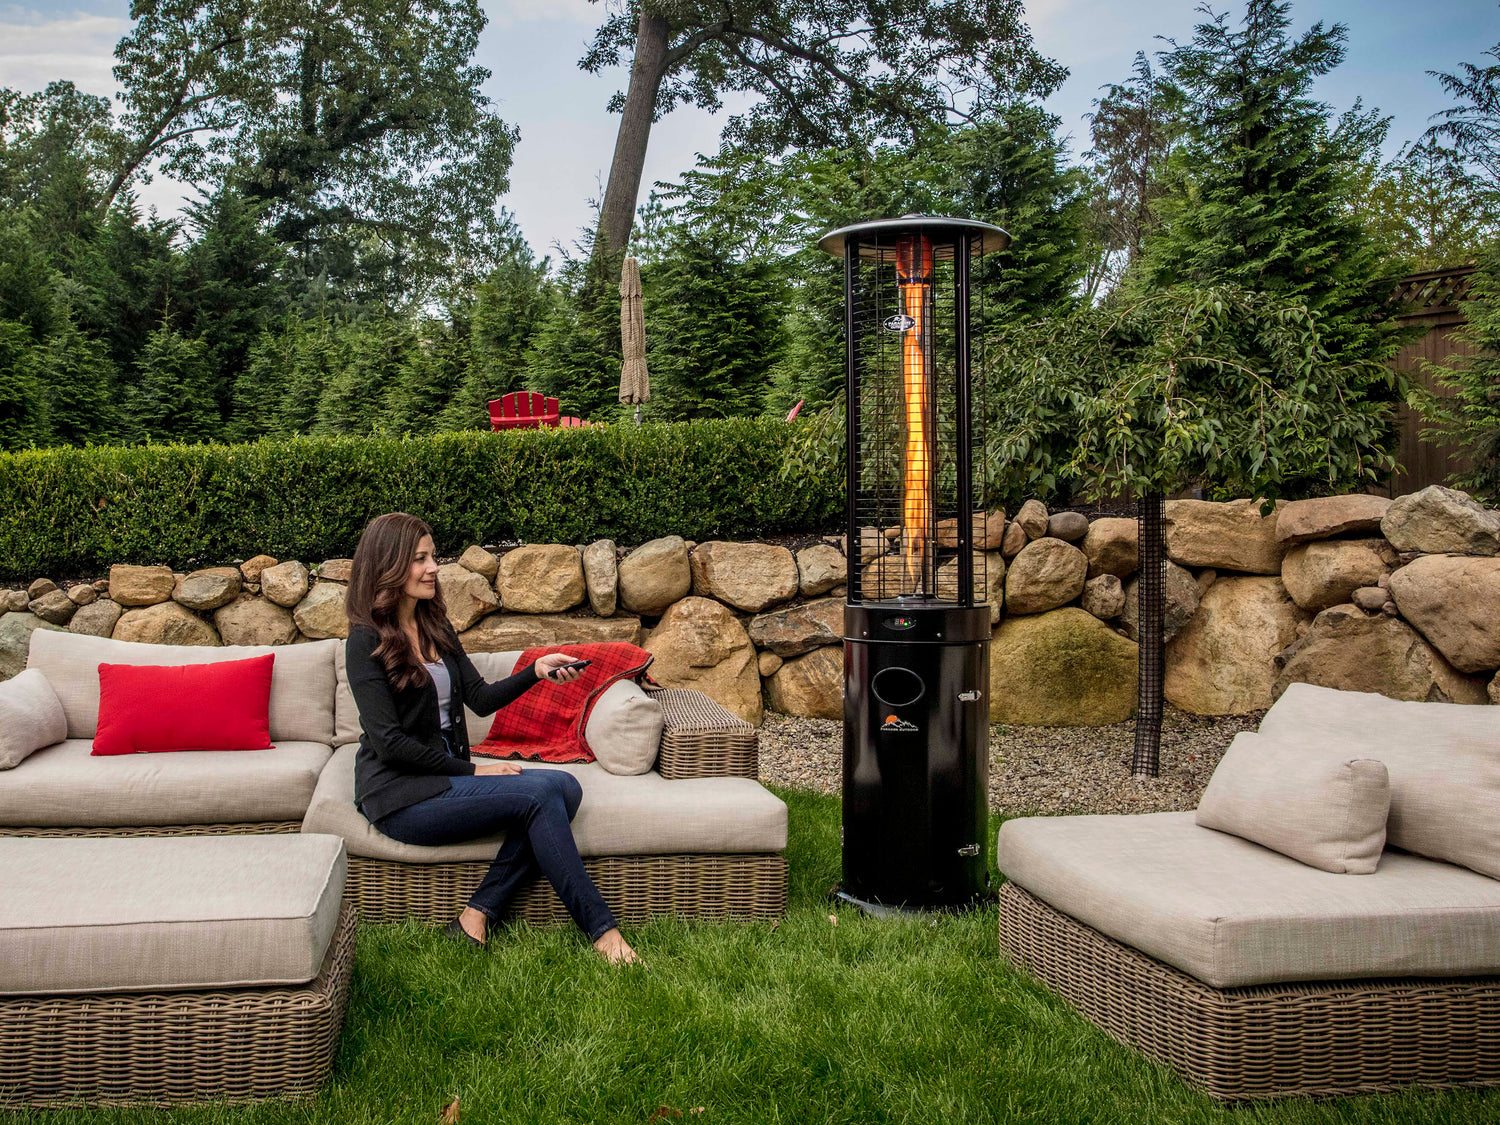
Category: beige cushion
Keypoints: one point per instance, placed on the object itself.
(1319, 806)
(30, 717)
(1443, 759)
(1233, 913)
(64, 785)
(302, 678)
(79, 915)
(642, 815)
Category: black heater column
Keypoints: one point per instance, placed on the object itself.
(917, 626)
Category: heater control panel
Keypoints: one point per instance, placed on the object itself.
(918, 624)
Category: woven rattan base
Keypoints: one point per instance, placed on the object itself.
(699, 738)
(1307, 1038)
(160, 1048)
(637, 887)
(268, 827)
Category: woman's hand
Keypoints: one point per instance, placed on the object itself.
(496, 769)
(547, 668)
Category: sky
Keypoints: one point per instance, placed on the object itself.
(532, 48)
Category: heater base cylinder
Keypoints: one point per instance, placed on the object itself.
(916, 741)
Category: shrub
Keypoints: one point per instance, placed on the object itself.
(75, 511)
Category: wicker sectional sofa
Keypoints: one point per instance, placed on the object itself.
(1258, 975)
(696, 834)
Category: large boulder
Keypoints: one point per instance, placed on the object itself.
(700, 644)
(601, 576)
(988, 585)
(1046, 574)
(466, 594)
(255, 621)
(14, 601)
(655, 575)
(1065, 668)
(97, 619)
(820, 568)
(1441, 520)
(141, 585)
(885, 578)
(1113, 546)
(799, 629)
(987, 531)
(480, 561)
(39, 587)
(1182, 593)
(1455, 603)
(1302, 521)
(321, 614)
(1349, 650)
(1224, 660)
(1229, 536)
(208, 589)
(811, 686)
(54, 607)
(1326, 572)
(516, 632)
(335, 570)
(541, 578)
(285, 583)
(1032, 519)
(749, 576)
(165, 623)
(15, 640)
(84, 594)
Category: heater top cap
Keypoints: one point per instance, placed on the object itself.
(880, 234)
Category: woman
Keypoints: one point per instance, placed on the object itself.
(413, 778)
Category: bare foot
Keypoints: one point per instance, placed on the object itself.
(613, 947)
(474, 923)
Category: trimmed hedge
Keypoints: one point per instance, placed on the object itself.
(76, 511)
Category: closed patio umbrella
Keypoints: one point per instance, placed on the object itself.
(635, 383)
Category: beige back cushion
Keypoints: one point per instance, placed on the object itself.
(1443, 760)
(31, 716)
(302, 678)
(1320, 806)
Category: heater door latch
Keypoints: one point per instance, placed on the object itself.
(969, 696)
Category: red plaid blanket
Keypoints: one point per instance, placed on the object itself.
(546, 724)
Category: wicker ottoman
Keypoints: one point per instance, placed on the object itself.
(155, 971)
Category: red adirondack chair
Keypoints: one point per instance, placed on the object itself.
(526, 410)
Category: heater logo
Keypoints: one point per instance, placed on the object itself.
(895, 723)
(899, 323)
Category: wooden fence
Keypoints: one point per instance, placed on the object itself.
(1432, 300)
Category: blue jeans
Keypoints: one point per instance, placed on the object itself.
(534, 809)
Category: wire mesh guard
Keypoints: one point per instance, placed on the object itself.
(912, 431)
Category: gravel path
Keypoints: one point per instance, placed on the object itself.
(1036, 769)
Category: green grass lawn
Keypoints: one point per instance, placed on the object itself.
(915, 1020)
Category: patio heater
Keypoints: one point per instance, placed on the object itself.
(916, 624)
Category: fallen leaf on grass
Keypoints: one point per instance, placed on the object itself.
(775, 924)
(662, 1112)
(698, 1109)
(834, 918)
(449, 1116)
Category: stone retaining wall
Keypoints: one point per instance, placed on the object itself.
(1356, 592)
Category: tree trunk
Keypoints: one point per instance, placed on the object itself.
(1150, 610)
(617, 215)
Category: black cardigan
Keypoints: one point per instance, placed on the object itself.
(402, 759)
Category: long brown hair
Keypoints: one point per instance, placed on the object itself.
(382, 562)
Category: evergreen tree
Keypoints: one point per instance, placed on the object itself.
(713, 331)
(355, 400)
(233, 283)
(575, 354)
(82, 392)
(172, 395)
(313, 354)
(261, 387)
(427, 377)
(23, 399)
(1257, 192)
(1469, 416)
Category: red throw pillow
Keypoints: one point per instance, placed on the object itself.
(151, 707)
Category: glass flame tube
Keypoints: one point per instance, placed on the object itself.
(914, 278)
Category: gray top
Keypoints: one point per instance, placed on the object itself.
(942, 229)
(444, 684)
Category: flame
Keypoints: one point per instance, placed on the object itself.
(914, 277)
